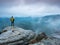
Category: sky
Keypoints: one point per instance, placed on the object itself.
(24, 8)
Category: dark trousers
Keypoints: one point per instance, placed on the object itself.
(12, 23)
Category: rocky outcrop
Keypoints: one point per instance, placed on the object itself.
(38, 38)
(15, 36)
(51, 40)
(18, 36)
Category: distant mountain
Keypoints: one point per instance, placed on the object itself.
(48, 24)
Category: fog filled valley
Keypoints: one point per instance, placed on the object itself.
(46, 24)
(50, 25)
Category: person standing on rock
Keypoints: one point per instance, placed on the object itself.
(12, 21)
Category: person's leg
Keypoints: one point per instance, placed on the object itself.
(12, 23)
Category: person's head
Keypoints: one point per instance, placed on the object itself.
(12, 16)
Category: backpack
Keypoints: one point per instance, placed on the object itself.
(12, 19)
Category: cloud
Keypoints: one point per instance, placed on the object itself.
(29, 8)
(17, 2)
(33, 10)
